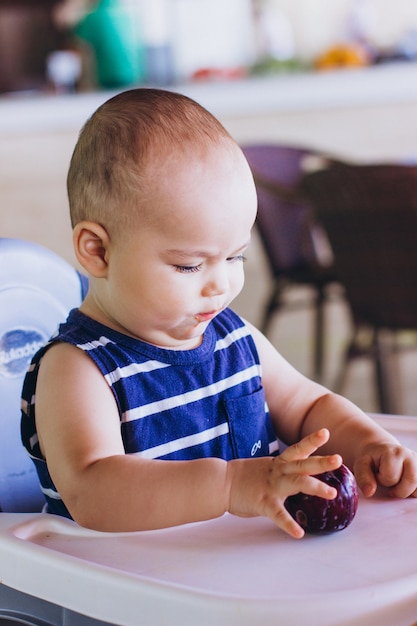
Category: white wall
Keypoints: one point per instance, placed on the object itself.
(202, 33)
(319, 23)
(220, 33)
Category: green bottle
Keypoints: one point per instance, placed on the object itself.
(115, 40)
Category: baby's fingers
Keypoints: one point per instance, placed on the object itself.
(365, 476)
(406, 485)
(307, 485)
(306, 446)
(298, 471)
(285, 522)
(394, 468)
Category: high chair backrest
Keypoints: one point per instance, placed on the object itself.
(37, 289)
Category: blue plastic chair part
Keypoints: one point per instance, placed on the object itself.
(37, 290)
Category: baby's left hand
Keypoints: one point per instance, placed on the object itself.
(390, 465)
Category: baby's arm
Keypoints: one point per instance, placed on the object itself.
(299, 406)
(106, 489)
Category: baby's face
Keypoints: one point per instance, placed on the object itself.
(185, 264)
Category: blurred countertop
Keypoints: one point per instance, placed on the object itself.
(384, 84)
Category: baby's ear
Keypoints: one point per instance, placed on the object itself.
(91, 243)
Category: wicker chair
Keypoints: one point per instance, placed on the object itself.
(370, 216)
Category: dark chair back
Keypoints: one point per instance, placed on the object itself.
(294, 244)
(284, 219)
(370, 216)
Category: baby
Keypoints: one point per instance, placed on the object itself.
(156, 404)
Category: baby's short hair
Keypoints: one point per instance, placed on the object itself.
(127, 133)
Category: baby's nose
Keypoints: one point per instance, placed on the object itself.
(217, 284)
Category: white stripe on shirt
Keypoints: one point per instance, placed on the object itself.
(184, 442)
(133, 369)
(191, 396)
(150, 366)
(235, 335)
(273, 446)
(92, 345)
(51, 493)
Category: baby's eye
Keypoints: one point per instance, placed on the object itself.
(239, 257)
(187, 269)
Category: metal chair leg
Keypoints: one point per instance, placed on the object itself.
(273, 305)
(318, 346)
(386, 376)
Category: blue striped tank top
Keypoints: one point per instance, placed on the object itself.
(178, 405)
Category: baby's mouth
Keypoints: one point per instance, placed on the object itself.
(205, 317)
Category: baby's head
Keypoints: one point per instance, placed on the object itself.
(162, 203)
(124, 148)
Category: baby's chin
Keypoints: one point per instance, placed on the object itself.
(193, 340)
(179, 340)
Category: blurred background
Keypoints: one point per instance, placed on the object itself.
(334, 76)
(170, 41)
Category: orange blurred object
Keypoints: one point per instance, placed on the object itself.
(343, 55)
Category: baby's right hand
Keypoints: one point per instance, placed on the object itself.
(261, 486)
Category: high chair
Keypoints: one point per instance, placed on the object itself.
(37, 289)
(228, 571)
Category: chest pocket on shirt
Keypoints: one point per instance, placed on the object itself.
(250, 427)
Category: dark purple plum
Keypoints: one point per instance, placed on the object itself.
(318, 515)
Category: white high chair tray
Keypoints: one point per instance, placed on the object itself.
(226, 571)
